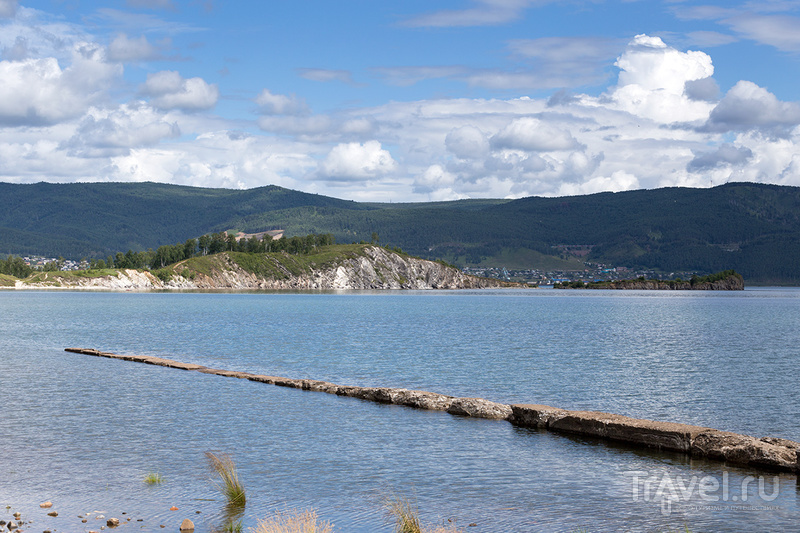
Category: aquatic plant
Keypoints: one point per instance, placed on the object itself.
(230, 527)
(293, 522)
(229, 485)
(154, 478)
(406, 517)
(405, 514)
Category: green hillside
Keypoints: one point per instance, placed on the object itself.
(752, 228)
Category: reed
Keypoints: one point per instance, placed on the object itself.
(405, 514)
(154, 478)
(293, 522)
(406, 517)
(229, 484)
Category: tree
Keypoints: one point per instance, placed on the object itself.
(203, 242)
(189, 248)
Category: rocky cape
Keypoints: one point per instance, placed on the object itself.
(730, 282)
(343, 267)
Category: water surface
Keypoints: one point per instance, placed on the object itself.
(83, 431)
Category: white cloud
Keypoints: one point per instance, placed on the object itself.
(531, 134)
(725, 155)
(125, 49)
(467, 142)
(437, 183)
(159, 4)
(326, 75)
(8, 8)
(106, 133)
(779, 31)
(618, 181)
(168, 90)
(748, 106)
(485, 13)
(279, 104)
(18, 51)
(357, 162)
(653, 77)
(705, 89)
(710, 38)
(39, 91)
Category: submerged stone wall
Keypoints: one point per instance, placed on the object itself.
(762, 453)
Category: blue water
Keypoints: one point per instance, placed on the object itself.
(84, 431)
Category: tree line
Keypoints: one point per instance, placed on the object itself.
(213, 243)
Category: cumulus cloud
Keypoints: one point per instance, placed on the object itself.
(437, 183)
(467, 142)
(652, 81)
(279, 104)
(725, 155)
(533, 135)
(126, 49)
(8, 8)
(357, 162)
(618, 181)
(748, 106)
(40, 92)
(168, 90)
(704, 90)
(107, 133)
(18, 51)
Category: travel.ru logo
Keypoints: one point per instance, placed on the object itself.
(667, 489)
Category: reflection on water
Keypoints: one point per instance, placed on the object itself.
(83, 432)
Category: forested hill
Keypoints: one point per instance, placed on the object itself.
(752, 228)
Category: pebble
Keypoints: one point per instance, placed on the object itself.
(46, 505)
(112, 522)
(52, 513)
(187, 525)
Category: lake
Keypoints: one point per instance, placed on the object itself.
(83, 432)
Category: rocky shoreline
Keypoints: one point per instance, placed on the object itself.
(765, 453)
(372, 268)
(727, 281)
(91, 522)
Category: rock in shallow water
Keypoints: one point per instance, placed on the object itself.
(187, 525)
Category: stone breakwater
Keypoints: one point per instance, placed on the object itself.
(759, 453)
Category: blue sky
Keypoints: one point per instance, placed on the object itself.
(402, 101)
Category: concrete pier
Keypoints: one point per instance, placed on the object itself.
(759, 453)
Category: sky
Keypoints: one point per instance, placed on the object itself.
(402, 101)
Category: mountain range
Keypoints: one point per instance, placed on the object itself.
(752, 228)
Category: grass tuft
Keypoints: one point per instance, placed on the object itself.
(405, 514)
(154, 478)
(229, 485)
(406, 517)
(293, 522)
